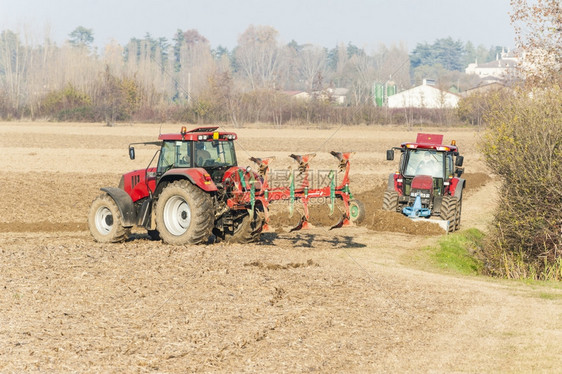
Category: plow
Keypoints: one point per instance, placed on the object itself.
(196, 189)
(303, 193)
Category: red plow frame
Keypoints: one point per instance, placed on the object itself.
(253, 191)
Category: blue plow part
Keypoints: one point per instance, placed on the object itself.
(416, 210)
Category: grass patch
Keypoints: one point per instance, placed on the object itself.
(550, 296)
(457, 252)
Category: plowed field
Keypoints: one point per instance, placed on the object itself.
(347, 300)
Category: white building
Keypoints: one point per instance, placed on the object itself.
(503, 67)
(424, 96)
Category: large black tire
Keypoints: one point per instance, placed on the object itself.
(356, 211)
(390, 201)
(246, 229)
(105, 221)
(184, 214)
(449, 210)
(458, 215)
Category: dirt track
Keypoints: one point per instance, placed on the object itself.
(347, 300)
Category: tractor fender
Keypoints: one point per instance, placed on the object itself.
(395, 183)
(457, 185)
(197, 176)
(391, 183)
(125, 204)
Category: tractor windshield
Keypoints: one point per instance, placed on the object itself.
(425, 162)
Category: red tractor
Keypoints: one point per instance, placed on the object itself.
(197, 189)
(427, 183)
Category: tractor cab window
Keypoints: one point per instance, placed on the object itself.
(425, 162)
(215, 153)
(449, 165)
(174, 154)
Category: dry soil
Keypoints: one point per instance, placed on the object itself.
(353, 299)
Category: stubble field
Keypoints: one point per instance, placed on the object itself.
(356, 299)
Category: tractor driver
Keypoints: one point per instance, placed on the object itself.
(201, 155)
(427, 165)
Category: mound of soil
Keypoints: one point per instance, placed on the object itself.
(475, 181)
(383, 220)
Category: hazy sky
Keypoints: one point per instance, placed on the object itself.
(365, 23)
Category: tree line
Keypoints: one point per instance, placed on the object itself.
(184, 79)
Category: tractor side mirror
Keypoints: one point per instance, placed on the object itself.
(132, 153)
(459, 161)
(390, 155)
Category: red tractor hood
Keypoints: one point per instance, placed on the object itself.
(422, 182)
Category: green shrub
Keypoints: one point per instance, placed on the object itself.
(523, 146)
(67, 104)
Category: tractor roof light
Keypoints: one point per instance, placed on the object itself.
(442, 148)
(216, 135)
(183, 130)
(453, 142)
(413, 146)
(202, 137)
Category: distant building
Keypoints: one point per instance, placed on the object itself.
(335, 95)
(338, 95)
(504, 67)
(424, 96)
(300, 95)
(484, 87)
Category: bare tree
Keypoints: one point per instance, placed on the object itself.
(538, 28)
(196, 64)
(14, 57)
(364, 78)
(312, 63)
(258, 56)
(393, 64)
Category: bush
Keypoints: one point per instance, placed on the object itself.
(523, 146)
(67, 104)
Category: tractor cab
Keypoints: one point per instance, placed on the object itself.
(203, 150)
(203, 147)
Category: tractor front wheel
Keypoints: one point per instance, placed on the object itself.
(184, 214)
(105, 222)
(458, 215)
(390, 201)
(450, 212)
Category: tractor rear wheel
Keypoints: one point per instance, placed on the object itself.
(449, 211)
(184, 214)
(246, 229)
(105, 222)
(390, 201)
(356, 211)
